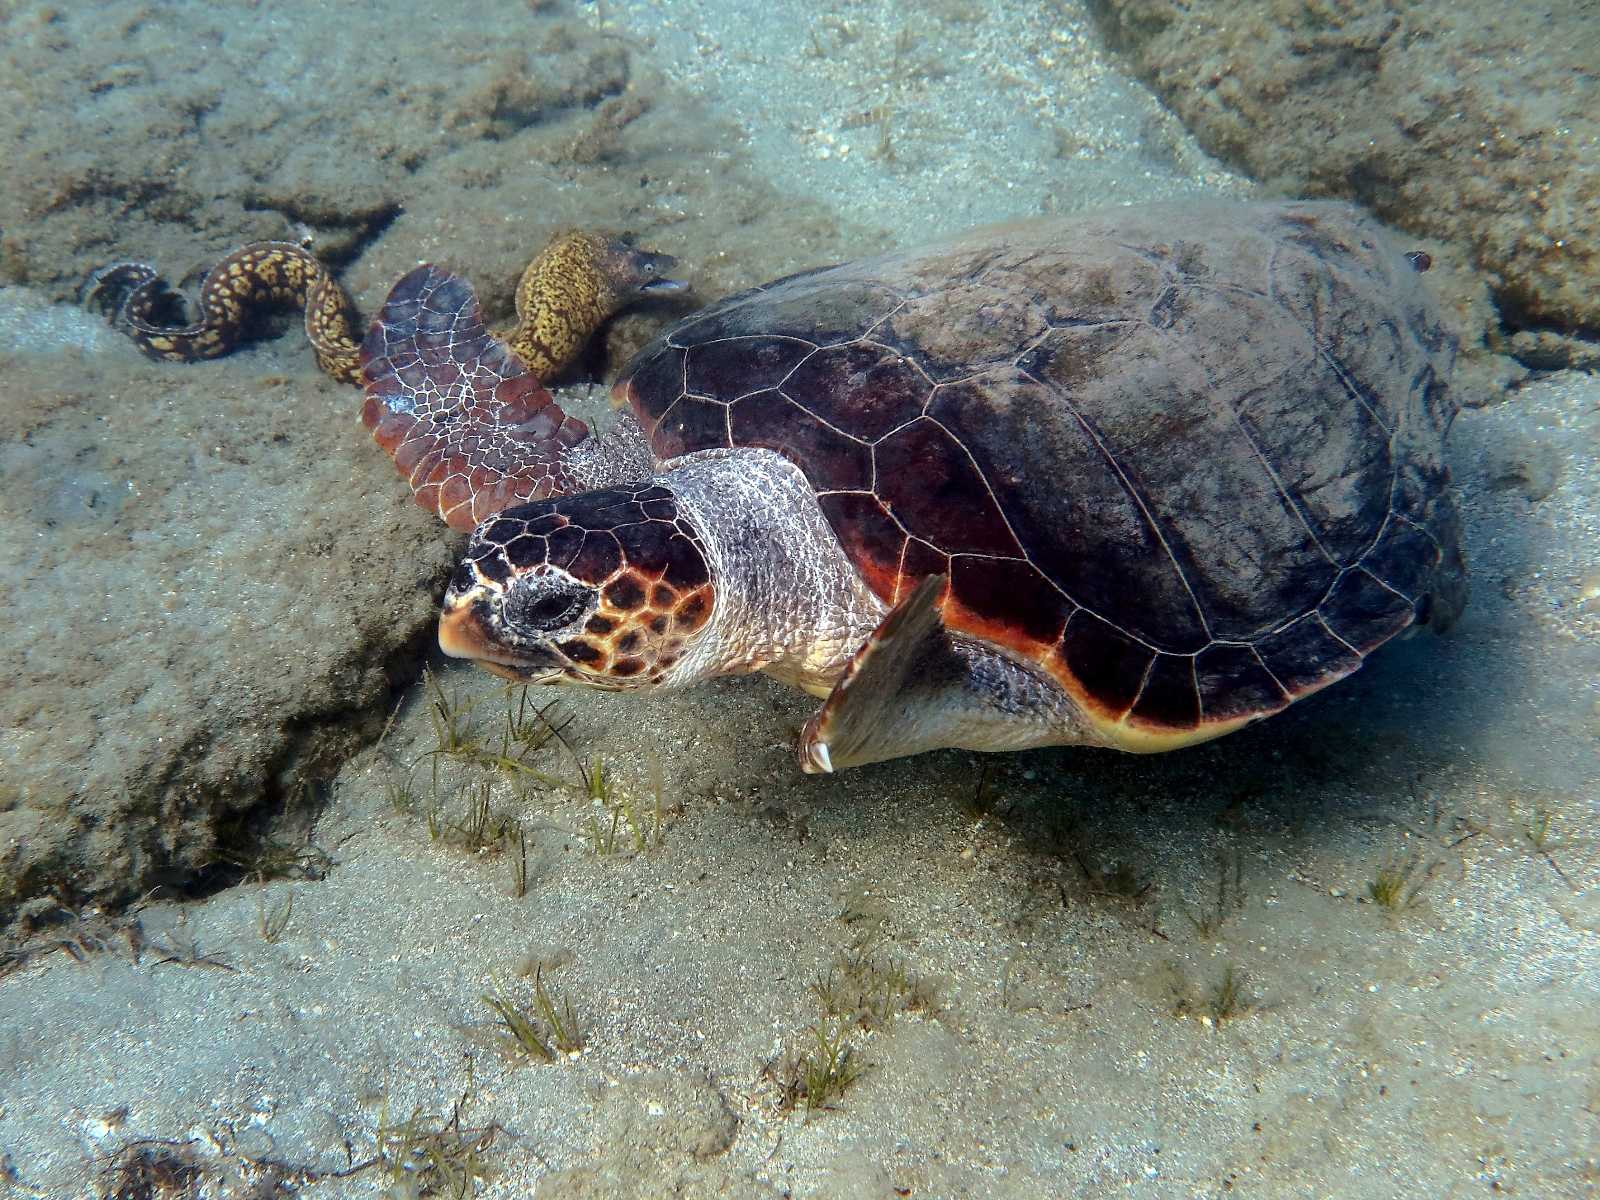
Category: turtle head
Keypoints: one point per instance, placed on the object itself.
(611, 589)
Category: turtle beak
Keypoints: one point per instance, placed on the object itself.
(463, 632)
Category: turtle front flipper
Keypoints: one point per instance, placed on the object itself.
(912, 687)
(468, 426)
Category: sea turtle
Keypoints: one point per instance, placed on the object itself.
(1132, 479)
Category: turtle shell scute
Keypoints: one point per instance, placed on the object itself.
(932, 485)
(864, 388)
(770, 420)
(726, 368)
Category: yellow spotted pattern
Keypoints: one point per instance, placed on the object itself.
(565, 294)
(258, 275)
(562, 297)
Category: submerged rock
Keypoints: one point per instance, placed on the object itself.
(211, 577)
(1472, 124)
(207, 576)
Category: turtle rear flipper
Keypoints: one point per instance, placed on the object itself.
(468, 426)
(912, 687)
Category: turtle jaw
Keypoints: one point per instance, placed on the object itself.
(464, 633)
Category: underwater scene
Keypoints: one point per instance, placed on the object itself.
(831, 600)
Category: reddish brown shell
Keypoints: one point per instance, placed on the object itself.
(1187, 459)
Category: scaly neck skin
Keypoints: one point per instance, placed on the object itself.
(788, 600)
(617, 455)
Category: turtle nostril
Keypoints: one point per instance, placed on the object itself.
(463, 578)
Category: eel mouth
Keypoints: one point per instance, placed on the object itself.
(664, 287)
(650, 273)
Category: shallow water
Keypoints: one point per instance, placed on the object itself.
(253, 910)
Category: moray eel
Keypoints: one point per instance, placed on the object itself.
(576, 283)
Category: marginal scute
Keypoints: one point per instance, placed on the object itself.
(1364, 612)
(654, 383)
(691, 424)
(1404, 557)
(1107, 664)
(988, 589)
(919, 561)
(1304, 655)
(1169, 699)
(1234, 684)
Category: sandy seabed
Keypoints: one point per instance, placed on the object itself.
(1353, 951)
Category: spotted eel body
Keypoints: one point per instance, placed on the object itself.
(572, 287)
(463, 412)
(258, 275)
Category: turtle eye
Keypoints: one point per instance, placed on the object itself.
(545, 609)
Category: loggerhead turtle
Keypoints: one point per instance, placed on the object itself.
(1133, 479)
